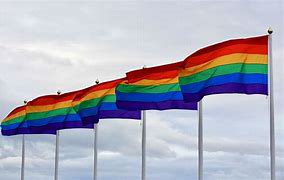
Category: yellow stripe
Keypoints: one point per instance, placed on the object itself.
(33, 109)
(227, 59)
(96, 94)
(64, 104)
(148, 82)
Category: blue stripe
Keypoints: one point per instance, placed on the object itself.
(149, 97)
(107, 106)
(224, 79)
(89, 111)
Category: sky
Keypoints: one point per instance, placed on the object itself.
(47, 46)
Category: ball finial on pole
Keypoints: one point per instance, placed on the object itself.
(97, 81)
(58, 92)
(270, 30)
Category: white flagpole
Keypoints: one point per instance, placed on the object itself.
(143, 177)
(95, 145)
(95, 150)
(23, 158)
(271, 108)
(56, 151)
(23, 153)
(200, 141)
(56, 155)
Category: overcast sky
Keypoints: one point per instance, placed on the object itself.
(46, 46)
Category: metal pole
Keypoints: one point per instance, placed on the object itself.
(95, 150)
(23, 158)
(56, 155)
(57, 149)
(271, 108)
(200, 141)
(23, 152)
(143, 177)
(95, 145)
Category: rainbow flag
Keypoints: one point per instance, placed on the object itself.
(79, 109)
(152, 88)
(234, 66)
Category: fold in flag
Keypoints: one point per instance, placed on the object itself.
(154, 88)
(234, 66)
(78, 109)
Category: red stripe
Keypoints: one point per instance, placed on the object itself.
(155, 73)
(16, 110)
(256, 45)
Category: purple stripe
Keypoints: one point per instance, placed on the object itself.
(163, 105)
(121, 114)
(226, 89)
(90, 120)
(30, 130)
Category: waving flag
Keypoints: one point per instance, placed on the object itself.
(152, 88)
(79, 109)
(234, 66)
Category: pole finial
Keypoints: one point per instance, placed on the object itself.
(25, 102)
(270, 30)
(58, 92)
(97, 81)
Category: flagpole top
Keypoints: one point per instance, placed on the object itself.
(58, 92)
(97, 81)
(270, 31)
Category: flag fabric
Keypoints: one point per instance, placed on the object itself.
(108, 108)
(43, 115)
(78, 109)
(155, 88)
(234, 66)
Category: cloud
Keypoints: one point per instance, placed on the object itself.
(48, 46)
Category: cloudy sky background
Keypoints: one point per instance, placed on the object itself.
(46, 46)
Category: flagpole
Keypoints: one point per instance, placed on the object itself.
(56, 155)
(95, 145)
(95, 150)
(23, 158)
(56, 150)
(271, 108)
(200, 141)
(143, 177)
(23, 153)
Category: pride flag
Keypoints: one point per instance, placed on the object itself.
(234, 66)
(152, 88)
(78, 109)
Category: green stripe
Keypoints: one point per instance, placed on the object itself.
(125, 88)
(223, 70)
(95, 102)
(62, 111)
(15, 120)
